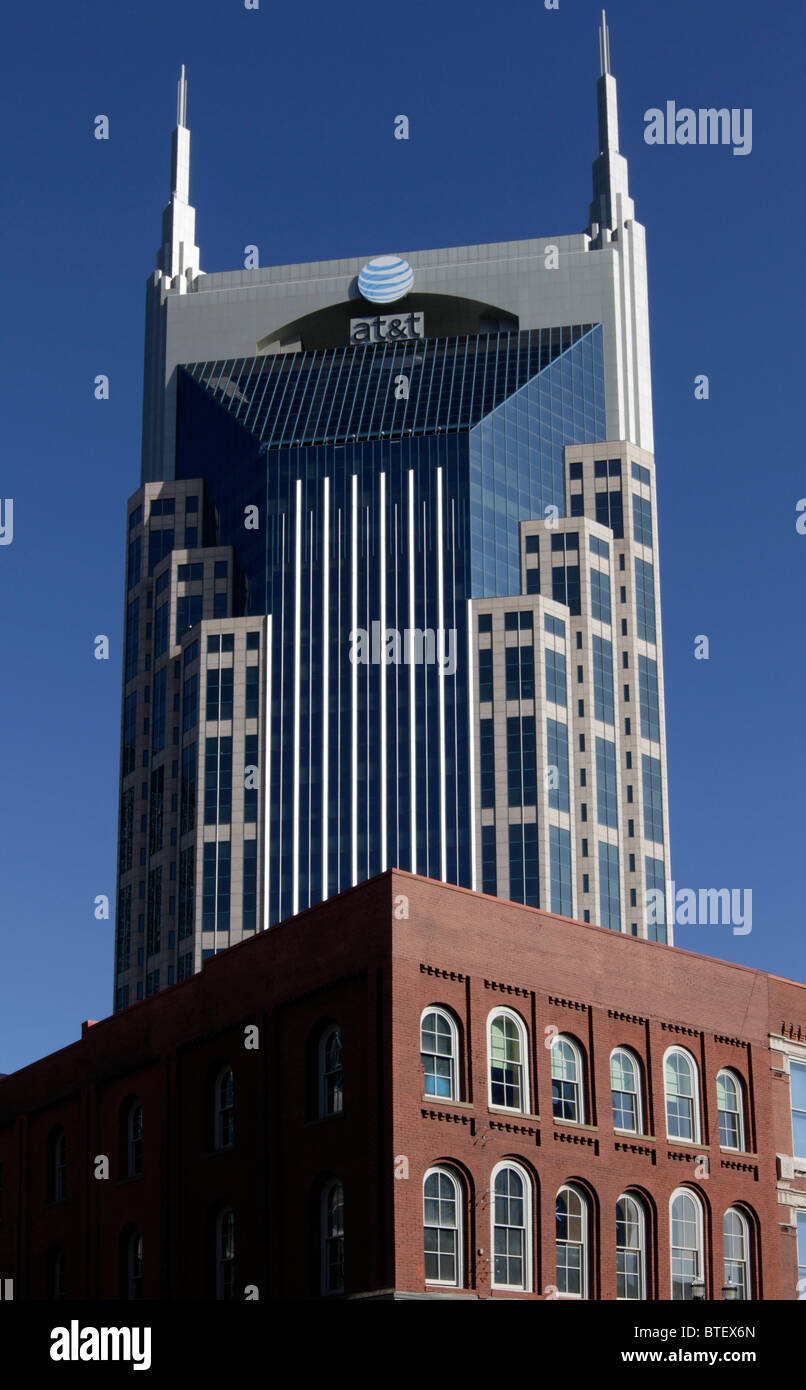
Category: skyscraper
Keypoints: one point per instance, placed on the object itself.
(393, 583)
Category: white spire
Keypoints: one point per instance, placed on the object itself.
(612, 205)
(179, 256)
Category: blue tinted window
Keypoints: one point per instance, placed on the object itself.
(557, 753)
(642, 519)
(135, 550)
(487, 762)
(489, 874)
(135, 518)
(648, 698)
(187, 807)
(160, 544)
(189, 611)
(656, 907)
(555, 626)
(640, 474)
(533, 581)
(532, 545)
(161, 630)
(645, 600)
(485, 622)
(606, 783)
(600, 595)
(521, 761)
(603, 700)
(252, 691)
(577, 504)
(555, 677)
(609, 892)
(253, 641)
(216, 895)
(132, 638)
(249, 885)
(485, 673)
(158, 711)
(653, 804)
(129, 732)
(575, 472)
(524, 876)
(560, 870)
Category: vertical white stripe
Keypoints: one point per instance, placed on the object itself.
(266, 765)
(471, 744)
(325, 675)
(382, 544)
(412, 721)
(354, 688)
(443, 845)
(297, 667)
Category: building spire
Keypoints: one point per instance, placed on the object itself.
(179, 256)
(612, 205)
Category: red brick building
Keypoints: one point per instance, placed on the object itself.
(415, 1091)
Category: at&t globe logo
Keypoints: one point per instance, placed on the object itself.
(385, 279)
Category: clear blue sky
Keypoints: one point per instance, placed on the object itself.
(291, 110)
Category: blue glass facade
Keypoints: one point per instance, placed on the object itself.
(350, 506)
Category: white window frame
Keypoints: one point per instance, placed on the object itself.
(795, 1062)
(523, 1034)
(443, 1013)
(747, 1289)
(220, 1110)
(701, 1265)
(220, 1260)
(326, 1237)
(695, 1096)
(458, 1187)
(737, 1081)
(579, 1084)
(328, 1033)
(638, 1203)
(639, 1110)
(583, 1197)
(526, 1286)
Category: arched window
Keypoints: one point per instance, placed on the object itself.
(439, 1052)
(630, 1247)
(571, 1240)
(566, 1081)
(442, 1227)
(682, 1108)
(625, 1090)
(511, 1227)
(730, 1110)
(225, 1254)
(134, 1140)
(58, 1166)
(134, 1266)
(507, 1051)
(333, 1238)
(224, 1118)
(736, 1233)
(686, 1239)
(330, 1072)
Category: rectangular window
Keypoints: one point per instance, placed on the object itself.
(557, 749)
(653, 804)
(132, 638)
(184, 968)
(126, 829)
(189, 610)
(610, 512)
(161, 630)
(160, 544)
(521, 761)
(523, 865)
(135, 518)
(600, 548)
(187, 809)
(158, 711)
(219, 605)
(218, 781)
(532, 545)
(797, 1092)
(648, 698)
(485, 673)
(124, 933)
(487, 763)
(489, 873)
(216, 895)
(645, 600)
(642, 520)
(190, 702)
(249, 885)
(560, 870)
(656, 903)
(640, 474)
(156, 818)
(565, 586)
(600, 595)
(556, 689)
(555, 626)
(609, 894)
(213, 687)
(251, 778)
(135, 552)
(606, 783)
(533, 581)
(485, 623)
(187, 874)
(603, 697)
(252, 691)
(253, 641)
(129, 732)
(154, 913)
